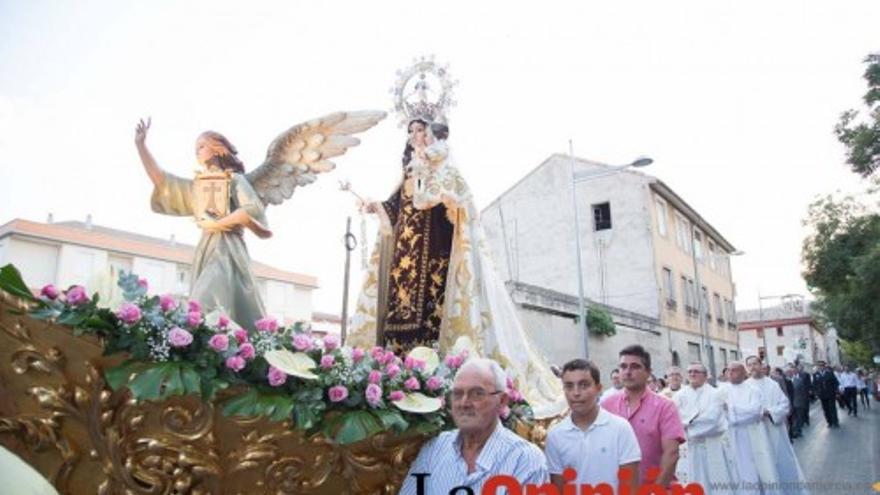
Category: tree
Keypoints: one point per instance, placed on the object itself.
(857, 353)
(862, 140)
(842, 265)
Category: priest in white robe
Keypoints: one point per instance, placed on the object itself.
(775, 411)
(711, 459)
(754, 453)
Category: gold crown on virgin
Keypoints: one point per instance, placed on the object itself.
(424, 90)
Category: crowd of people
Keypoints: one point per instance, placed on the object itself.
(732, 437)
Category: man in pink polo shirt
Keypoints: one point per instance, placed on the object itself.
(654, 418)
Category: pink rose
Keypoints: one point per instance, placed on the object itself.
(514, 395)
(194, 306)
(302, 342)
(193, 318)
(452, 362)
(378, 353)
(505, 412)
(179, 337)
(235, 363)
(241, 335)
(388, 357)
(77, 295)
(247, 351)
(222, 322)
(331, 342)
(434, 383)
(357, 355)
(392, 370)
(327, 361)
(167, 303)
(276, 377)
(338, 393)
(409, 362)
(50, 292)
(375, 376)
(396, 395)
(267, 324)
(373, 394)
(412, 383)
(510, 383)
(129, 313)
(219, 342)
(142, 283)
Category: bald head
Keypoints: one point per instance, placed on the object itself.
(737, 372)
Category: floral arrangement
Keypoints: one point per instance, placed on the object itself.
(174, 348)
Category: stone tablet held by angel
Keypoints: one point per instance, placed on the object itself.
(225, 200)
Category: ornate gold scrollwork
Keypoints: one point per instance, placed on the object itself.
(59, 415)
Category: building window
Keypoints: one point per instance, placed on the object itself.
(712, 255)
(733, 355)
(698, 245)
(601, 216)
(779, 331)
(724, 357)
(686, 295)
(676, 360)
(682, 233)
(706, 309)
(762, 353)
(719, 311)
(694, 353)
(779, 349)
(661, 216)
(760, 333)
(669, 286)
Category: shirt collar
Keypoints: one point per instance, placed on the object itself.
(601, 420)
(487, 454)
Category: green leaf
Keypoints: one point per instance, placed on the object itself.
(356, 426)
(241, 405)
(147, 385)
(46, 313)
(72, 318)
(192, 382)
(11, 282)
(391, 419)
(118, 376)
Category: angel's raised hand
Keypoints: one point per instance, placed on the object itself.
(140, 131)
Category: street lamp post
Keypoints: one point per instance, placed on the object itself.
(577, 178)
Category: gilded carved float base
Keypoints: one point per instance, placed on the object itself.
(57, 413)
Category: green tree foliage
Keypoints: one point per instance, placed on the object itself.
(862, 139)
(842, 265)
(857, 353)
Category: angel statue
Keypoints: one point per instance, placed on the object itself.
(224, 200)
(431, 280)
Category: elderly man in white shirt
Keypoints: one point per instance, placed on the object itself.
(481, 447)
(590, 446)
(711, 459)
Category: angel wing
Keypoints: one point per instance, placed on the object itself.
(299, 154)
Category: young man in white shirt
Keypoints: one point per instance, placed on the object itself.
(593, 442)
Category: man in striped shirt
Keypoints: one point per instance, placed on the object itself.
(481, 447)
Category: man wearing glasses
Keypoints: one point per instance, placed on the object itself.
(710, 456)
(654, 418)
(480, 447)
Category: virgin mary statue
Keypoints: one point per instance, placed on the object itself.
(431, 280)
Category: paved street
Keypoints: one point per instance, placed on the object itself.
(848, 454)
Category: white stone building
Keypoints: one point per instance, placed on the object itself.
(787, 333)
(647, 257)
(67, 253)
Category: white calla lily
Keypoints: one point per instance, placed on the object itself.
(419, 403)
(296, 364)
(427, 356)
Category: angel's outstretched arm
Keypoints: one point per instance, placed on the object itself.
(150, 165)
